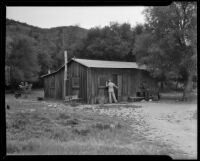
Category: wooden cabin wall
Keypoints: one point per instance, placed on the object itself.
(74, 70)
(49, 90)
(53, 85)
(96, 92)
(131, 79)
(77, 70)
(59, 84)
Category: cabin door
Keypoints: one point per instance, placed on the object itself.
(117, 79)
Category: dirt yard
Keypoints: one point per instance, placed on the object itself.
(171, 123)
(151, 128)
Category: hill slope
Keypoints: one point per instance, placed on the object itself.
(46, 42)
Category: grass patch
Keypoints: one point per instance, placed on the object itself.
(18, 146)
(63, 116)
(74, 132)
(81, 131)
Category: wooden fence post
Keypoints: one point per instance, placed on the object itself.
(65, 74)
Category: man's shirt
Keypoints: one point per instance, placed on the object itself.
(110, 87)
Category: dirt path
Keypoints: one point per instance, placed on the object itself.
(174, 124)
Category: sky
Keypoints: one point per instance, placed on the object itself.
(86, 17)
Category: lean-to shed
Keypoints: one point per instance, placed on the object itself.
(87, 79)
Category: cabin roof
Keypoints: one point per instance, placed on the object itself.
(103, 64)
(107, 64)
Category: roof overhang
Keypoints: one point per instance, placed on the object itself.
(102, 64)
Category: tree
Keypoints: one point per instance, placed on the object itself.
(112, 42)
(45, 62)
(169, 47)
(21, 58)
(46, 44)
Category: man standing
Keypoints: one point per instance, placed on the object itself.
(111, 92)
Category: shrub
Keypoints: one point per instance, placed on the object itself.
(83, 131)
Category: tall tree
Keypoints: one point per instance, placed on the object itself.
(169, 49)
(21, 58)
(112, 42)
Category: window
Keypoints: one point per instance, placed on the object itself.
(102, 81)
(75, 82)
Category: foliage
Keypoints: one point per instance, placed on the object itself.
(111, 42)
(37, 50)
(169, 46)
(22, 59)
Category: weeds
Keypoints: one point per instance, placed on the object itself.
(17, 146)
(63, 116)
(12, 148)
(74, 104)
(72, 122)
(101, 126)
(82, 131)
(75, 132)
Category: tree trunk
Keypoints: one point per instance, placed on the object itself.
(187, 88)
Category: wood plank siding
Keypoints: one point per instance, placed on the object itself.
(78, 71)
(89, 82)
(53, 85)
(55, 90)
(129, 83)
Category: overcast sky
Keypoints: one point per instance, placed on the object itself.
(86, 17)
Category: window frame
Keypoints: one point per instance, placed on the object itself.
(74, 85)
(99, 82)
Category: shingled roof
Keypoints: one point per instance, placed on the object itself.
(104, 64)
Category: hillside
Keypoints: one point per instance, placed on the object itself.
(71, 33)
(46, 42)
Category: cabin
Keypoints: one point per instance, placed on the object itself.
(87, 79)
